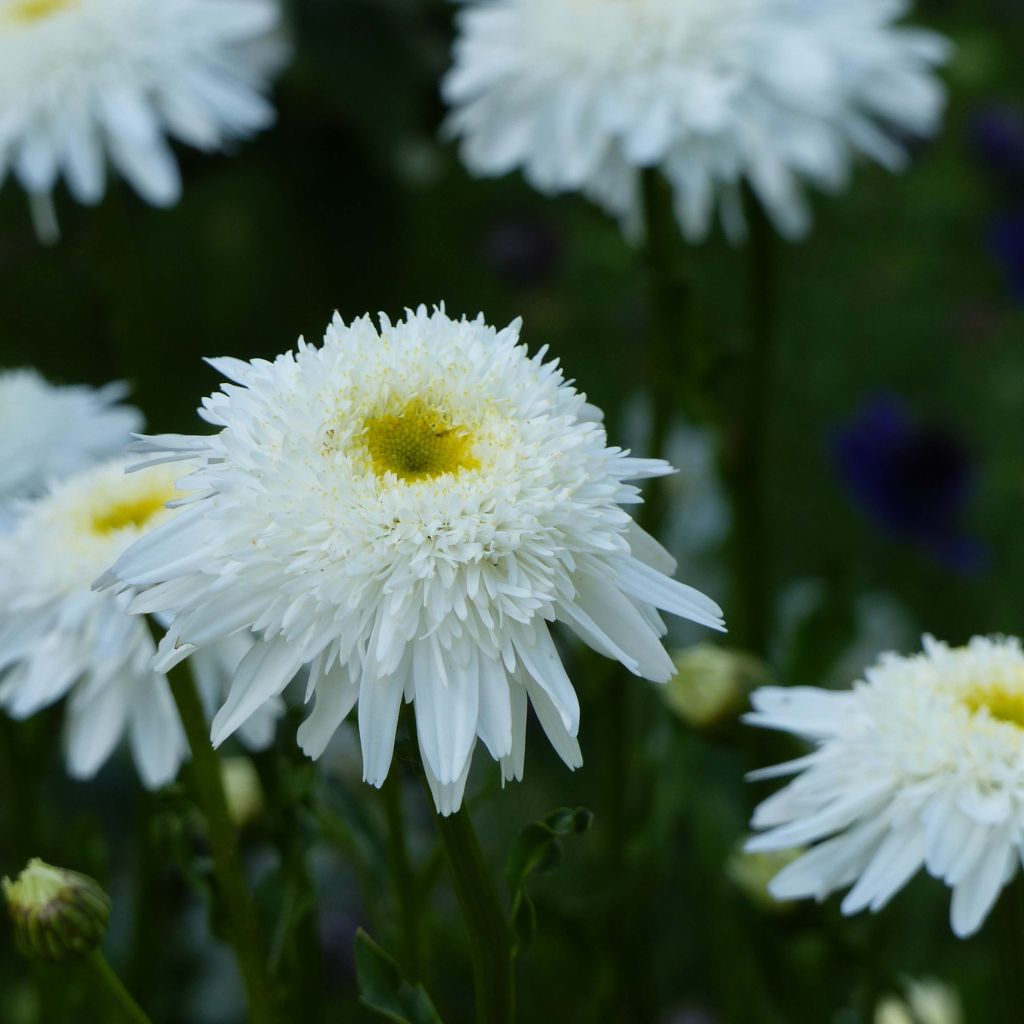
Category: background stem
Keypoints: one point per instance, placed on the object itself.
(114, 986)
(404, 877)
(241, 915)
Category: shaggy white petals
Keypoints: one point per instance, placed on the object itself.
(406, 510)
(84, 83)
(47, 432)
(921, 764)
(582, 94)
(60, 639)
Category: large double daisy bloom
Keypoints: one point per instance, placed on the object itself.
(407, 510)
(582, 94)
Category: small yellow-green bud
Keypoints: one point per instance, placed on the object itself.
(57, 914)
(751, 872)
(242, 789)
(711, 684)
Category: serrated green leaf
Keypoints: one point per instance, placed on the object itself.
(384, 990)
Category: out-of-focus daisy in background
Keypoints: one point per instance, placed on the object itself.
(60, 639)
(921, 764)
(49, 432)
(84, 83)
(407, 510)
(582, 94)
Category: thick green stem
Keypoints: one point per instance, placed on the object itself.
(751, 541)
(104, 973)
(224, 845)
(407, 888)
(490, 940)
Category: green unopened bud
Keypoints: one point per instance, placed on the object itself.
(242, 789)
(892, 1010)
(57, 914)
(751, 872)
(711, 684)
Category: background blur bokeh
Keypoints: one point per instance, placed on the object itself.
(894, 481)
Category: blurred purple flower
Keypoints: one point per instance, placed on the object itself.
(1006, 240)
(913, 479)
(997, 134)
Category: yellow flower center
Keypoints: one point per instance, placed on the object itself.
(130, 512)
(418, 443)
(1003, 703)
(37, 10)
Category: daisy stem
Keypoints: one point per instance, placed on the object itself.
(106, 976)
(224, 844)
(404, 877)
(750, 540)
(490, 941)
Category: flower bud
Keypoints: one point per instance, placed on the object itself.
(711, 684)
(57, 914)
(242, 789)
(751, 873)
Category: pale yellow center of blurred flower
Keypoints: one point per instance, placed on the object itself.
(36, 10)
(132, 512)
(1004, 703)
(418, 443)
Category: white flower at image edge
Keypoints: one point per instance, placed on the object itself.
(406, 510)
(49, 432)
(582, 94)
(87, 81)
(920, 765)
(58, 638)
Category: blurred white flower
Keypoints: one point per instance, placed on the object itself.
(919, 765)
(59, 638)
(84, 81)
(406, 510)
(582, 94)
(927, 1002)
(47, 432)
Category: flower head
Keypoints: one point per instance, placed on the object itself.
(581, 94)
(57, 914)
(58, 638)
(48, 433)
(919, 765)
(407, 510)
(82, 81)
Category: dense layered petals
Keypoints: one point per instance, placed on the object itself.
(407, 510)
(582, 94)
(87, 83)
(921, 765)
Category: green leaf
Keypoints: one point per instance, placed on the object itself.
(538, 849)
(384, 990)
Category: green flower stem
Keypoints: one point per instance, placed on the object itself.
(751, 542)
(672, 361)
(104, 973)
(404, 877)
(227, 864)
(490, 940)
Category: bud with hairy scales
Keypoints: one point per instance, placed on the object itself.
(57, 914)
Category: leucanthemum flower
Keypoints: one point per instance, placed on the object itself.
(407, 510)
(919, 765)
(60, 639)
(48, 432)
(84, 81)
(582, 94)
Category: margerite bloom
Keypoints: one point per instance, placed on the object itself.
(921, 764)
(407, 510)
(87, 81)
(59, 638)
(48, 432)
(582, 94)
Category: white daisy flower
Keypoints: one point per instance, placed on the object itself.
(919, 765)
(582, 94)
(407, 510)
(84, 81)
(48, 433)
(59, 638)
